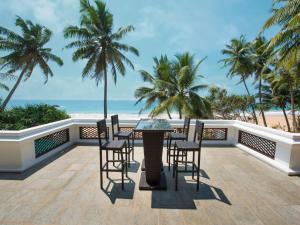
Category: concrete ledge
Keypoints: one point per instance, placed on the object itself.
(17, 151)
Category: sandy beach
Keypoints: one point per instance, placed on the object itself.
(275, 120)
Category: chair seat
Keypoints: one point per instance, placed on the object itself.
(178, 136)
(186, 145)
(123, 134)
(114, 145)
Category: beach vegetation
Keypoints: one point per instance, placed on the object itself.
(19, 118)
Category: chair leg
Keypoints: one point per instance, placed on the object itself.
(128, 152)
(126, 169)
(169, 159)
(106, 163)
(185, 167)
(101, 175)
(114, 159)
(193, 169)
(176, 172)
(122, 172)
(133, 147)
(173, 162)
(198, 169)
(168, 150)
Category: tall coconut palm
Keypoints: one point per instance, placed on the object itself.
(25, 52)
(260, 59)
(177, 83)
(157, 93)
(276, 92)
(184, 89)
(240, 62)
(96, 42)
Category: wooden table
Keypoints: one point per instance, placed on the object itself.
(153, 131)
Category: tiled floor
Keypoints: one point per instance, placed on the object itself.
(236, 189)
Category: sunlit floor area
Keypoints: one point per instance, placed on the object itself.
(236, 188)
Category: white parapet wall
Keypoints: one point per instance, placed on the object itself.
(20, 150)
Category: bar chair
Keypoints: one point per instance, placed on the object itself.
(111, 146)
(184, 147)
(121, 135)
(177, 136)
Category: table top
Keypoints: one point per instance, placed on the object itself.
(153, 125)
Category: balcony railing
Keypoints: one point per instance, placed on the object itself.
(20, 150)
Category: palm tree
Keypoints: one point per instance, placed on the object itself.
(277, 93)
(26, 51)
(240, 62)
(283, 12)
(185, 97)
(261, 57)
(174, 87)
(99, 45)
(183, 89)
(157, 93)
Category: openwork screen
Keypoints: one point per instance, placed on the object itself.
(137, 135)
(215, 134)
(90, 132)
(47, 143)
(259, 144)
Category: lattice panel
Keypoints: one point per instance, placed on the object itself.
(259, 144)
(90, 133)
(47, 143)
(214, 134)
(137, 135)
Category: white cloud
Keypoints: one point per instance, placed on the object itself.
(55, 14)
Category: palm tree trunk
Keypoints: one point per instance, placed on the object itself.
(169, 115)
(293, 111)
(244, 115)
(12, 91)
(105, 92)
(260, 103)
(252, 106)
(286, 119)
(180, 113)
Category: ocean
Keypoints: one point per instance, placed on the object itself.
(85, 106)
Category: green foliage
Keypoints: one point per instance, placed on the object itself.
(174, 87)
(226, 106)
(32, 115)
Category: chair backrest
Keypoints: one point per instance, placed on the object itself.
(186, 126)
(101, 129)
(199, 127)
(115, 124)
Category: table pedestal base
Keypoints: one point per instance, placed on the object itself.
(143, 168)
(145, 186)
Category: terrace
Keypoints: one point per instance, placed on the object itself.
(244, 179)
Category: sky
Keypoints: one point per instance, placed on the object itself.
(201, 27)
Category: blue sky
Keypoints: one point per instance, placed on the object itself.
(201, 27)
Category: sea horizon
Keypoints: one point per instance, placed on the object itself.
(84, 106)
(77, 108)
